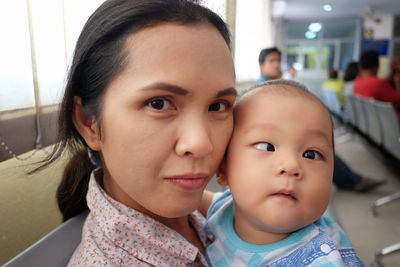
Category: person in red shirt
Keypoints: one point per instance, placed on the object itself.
(394, 76)
(368, 85)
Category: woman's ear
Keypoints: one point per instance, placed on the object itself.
(221, 173)
(86, 126)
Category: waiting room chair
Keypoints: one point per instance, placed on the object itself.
(374, 128)
(361, 122)
(55, 249)
(331, 101)
(349, 110)
(390, 127)
(391, 143)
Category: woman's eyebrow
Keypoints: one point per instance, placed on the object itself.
(181, 91)
(227, 92)
(166, 87)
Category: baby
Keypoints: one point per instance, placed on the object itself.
(279, 168)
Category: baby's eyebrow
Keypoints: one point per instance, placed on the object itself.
(321, 133)
(261, 127)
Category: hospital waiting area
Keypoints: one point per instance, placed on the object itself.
(316, 42)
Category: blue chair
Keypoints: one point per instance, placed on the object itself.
(390, 127)
(374, 128)
(391, 143)
(361, 122)
(349, 110)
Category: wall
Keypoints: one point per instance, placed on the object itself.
(18, 130)
(377, 34)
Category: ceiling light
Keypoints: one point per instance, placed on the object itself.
(327, 8)
(314, 27)
(310, 35)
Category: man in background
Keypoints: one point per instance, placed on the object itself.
(269, 61)
(367, 84)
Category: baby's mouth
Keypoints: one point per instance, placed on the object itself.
(285, 194)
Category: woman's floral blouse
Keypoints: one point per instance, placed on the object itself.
(116, 235)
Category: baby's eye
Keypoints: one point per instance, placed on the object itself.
(218, 106)
(265, 146)
(159, 104)
(311, 154)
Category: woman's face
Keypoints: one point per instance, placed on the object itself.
(167, 118)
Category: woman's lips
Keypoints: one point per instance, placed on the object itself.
(188, 181)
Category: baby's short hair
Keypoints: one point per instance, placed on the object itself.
(279, 85)
(284, 87)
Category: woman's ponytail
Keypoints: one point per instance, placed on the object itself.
(71, 193)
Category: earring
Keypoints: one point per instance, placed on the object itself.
(93, 158)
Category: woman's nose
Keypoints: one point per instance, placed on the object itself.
(194, 138)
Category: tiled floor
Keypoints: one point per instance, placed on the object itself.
(369, 233)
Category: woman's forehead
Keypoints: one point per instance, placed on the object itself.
(181, 55)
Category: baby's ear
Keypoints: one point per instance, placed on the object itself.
(221, 173)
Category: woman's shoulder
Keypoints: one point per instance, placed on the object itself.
(96, 249)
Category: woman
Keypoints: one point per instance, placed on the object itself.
(350, 74)
(150, 94)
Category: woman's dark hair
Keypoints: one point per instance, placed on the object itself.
(351, 71)
(99, 56)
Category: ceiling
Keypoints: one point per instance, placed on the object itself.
(313, 9)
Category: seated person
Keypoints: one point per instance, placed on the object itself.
(367, 84)
(350, 74)
(394, 76)
(334, 84)
(290, 74)
(279, 167)
(269, 61)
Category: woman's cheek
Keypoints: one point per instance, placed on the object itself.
(224, 135)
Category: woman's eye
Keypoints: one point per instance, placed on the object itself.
(159, 104)
(218, 106)
(311, 154)
(264, 146)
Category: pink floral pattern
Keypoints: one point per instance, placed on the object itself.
(116, 235)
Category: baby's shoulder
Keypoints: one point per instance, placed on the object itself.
(219, 200)
(334, 231)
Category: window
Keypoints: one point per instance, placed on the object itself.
(292, 54)
(38, 49)
(328, 56)
(346, 54)
(15, 65)
(396, 32)
(320, 45)
(340, 28)
(310, 56)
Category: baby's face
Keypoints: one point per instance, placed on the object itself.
(279, 163)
